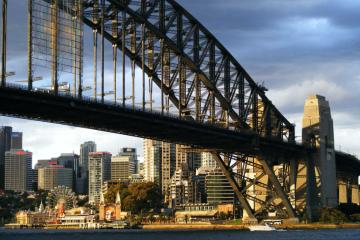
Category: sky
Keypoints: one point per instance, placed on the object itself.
(294, 48)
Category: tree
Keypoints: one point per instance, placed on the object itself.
(143, 197)
(110, 195)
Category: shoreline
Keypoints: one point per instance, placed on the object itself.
(199, 227)
(171, 227)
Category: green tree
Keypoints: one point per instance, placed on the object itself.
(110, 195)
(143, 197)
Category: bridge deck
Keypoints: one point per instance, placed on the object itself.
(88, 113)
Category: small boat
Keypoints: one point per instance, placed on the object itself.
(261, 228)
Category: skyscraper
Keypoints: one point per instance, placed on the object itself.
(71, 161)
(161, 159)
(218, 189)
(17, 140)
(54, 175)
(99, 172)
(18, 172)
(207, 160)
(124, 164)
(152, 161)
(168, 166)
(5, 145)
(83, 180)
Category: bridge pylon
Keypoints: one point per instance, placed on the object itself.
(318, 133)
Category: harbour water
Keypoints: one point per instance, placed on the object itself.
(338, 234)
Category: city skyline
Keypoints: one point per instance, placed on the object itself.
(267, 46)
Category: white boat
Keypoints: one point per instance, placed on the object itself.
(261, 228)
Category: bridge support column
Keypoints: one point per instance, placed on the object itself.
(312, 200)
(278, 188)
(249, 217)
(355, 194)
(318, 132)
(343, 191)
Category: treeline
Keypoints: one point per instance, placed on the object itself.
(137, 197)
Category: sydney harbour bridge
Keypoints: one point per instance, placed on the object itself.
(172, 81)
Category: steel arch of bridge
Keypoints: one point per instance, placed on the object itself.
(195, 73)
(189, 65)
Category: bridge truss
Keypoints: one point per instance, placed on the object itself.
(187, 73)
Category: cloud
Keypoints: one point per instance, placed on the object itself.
(294, 96)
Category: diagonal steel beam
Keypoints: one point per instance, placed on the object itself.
(279, 190)
(244, 203)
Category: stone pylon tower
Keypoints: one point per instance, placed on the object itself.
(318, 132)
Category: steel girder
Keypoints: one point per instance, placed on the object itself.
(235, 168)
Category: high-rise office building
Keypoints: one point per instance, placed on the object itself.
(124, 164)
(168, 166)
(207, 160)
(181, 156)
(45, 163)
(68, 160)
(71, 161)
(218, 189)
(83, 180)
(17, 140)
(5, 145)
(54, 175)
(18, 172)
(180, 188)
(99, 172)
(152, 161)
(161, 159)
(193, 160)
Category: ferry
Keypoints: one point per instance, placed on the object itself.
(261, 228)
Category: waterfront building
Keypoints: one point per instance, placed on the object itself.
(5, 145)
(201, 212)
(124, 164)
(18, 170)
(36, 218)
(99, 172)
(53, 176)
(83, 180)
(17, 140)
(111, 212)
(218, 189)
(78, 217)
